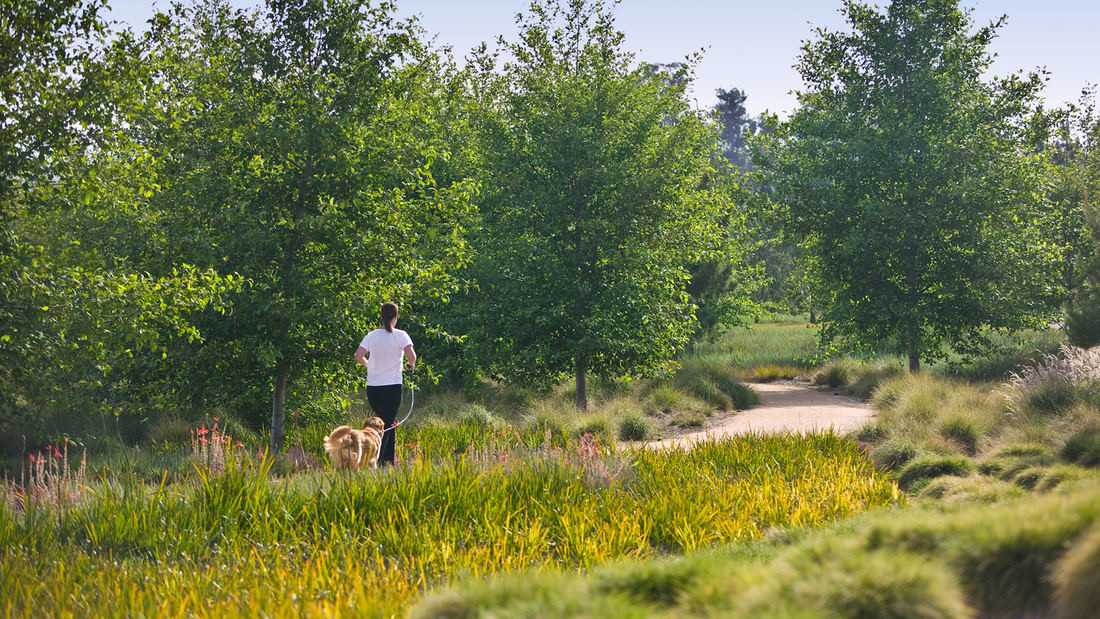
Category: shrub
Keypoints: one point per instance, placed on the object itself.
(668, 399)
(883, 585)
(1001, 353)
(170, 431)
(930, 467)
(477, 415)
(1057, 475)
(982, 490)
(772, 372)
(870, 377)
(894, 454)
(1083, 448)
(1077, 579)
(659, 582)
(833, 375)
(596, 425)
(689, 419)
(961, 432)
(1055, 382)
(709, 392)
(1029, 478)
(633, 428)
(871, 433)
(1050, 398)
(715, 384)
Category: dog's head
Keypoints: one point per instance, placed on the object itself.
(375, 423)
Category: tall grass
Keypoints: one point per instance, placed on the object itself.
(239, 543)
(1028, 557)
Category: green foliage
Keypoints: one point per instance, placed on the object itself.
(995, 355)
(962, 432)
(1083, 319)
(892, 455)
(922, 469)
(1083, 447)
(633, 428)
(1077, 579)
(784, 341)
(856, 377)
(306, 148)
(602, 186)
(716, 384)
(913, 189)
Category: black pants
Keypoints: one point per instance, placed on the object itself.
(384, 401)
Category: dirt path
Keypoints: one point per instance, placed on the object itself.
(784, 407)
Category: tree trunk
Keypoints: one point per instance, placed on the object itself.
(582, 383)
(278, 410)
(813, 316)
(914, 356)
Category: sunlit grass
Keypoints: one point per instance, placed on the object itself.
(368, 544)
(788, 343)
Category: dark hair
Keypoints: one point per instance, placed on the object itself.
(389, 312)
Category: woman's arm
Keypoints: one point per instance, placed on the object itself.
(410, 357)
(361, 355)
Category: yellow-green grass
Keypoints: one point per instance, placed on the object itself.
(1028, 556)
(369, 544)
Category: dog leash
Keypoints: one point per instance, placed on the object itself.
(412, 403)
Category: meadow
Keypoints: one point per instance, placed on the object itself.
(509, 503)
(240, 543)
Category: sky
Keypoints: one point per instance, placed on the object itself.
(753, 44)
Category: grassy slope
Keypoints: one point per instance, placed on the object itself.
(1001, 529)
(1024, 555)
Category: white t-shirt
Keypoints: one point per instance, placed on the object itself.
(386, 359)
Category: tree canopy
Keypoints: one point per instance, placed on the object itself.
(908, 175)
(601, 186)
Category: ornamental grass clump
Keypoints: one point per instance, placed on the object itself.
(1056, 382)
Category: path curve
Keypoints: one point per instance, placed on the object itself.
(784, 407)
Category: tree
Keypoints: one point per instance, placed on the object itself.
(1075, 213)
(601, 185)
(1071, 136)
(72, 309)
(303, 147)
(737, 126)
(43, 47)
(1083, 319)
(905, 173)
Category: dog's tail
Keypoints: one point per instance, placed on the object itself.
(339, 439)
(374, 422)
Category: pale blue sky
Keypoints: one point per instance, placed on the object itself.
(753, 44)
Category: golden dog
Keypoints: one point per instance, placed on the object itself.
(349, 448)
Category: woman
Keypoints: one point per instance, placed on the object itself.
(382, 352)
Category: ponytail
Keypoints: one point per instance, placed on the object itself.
(389, 312)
